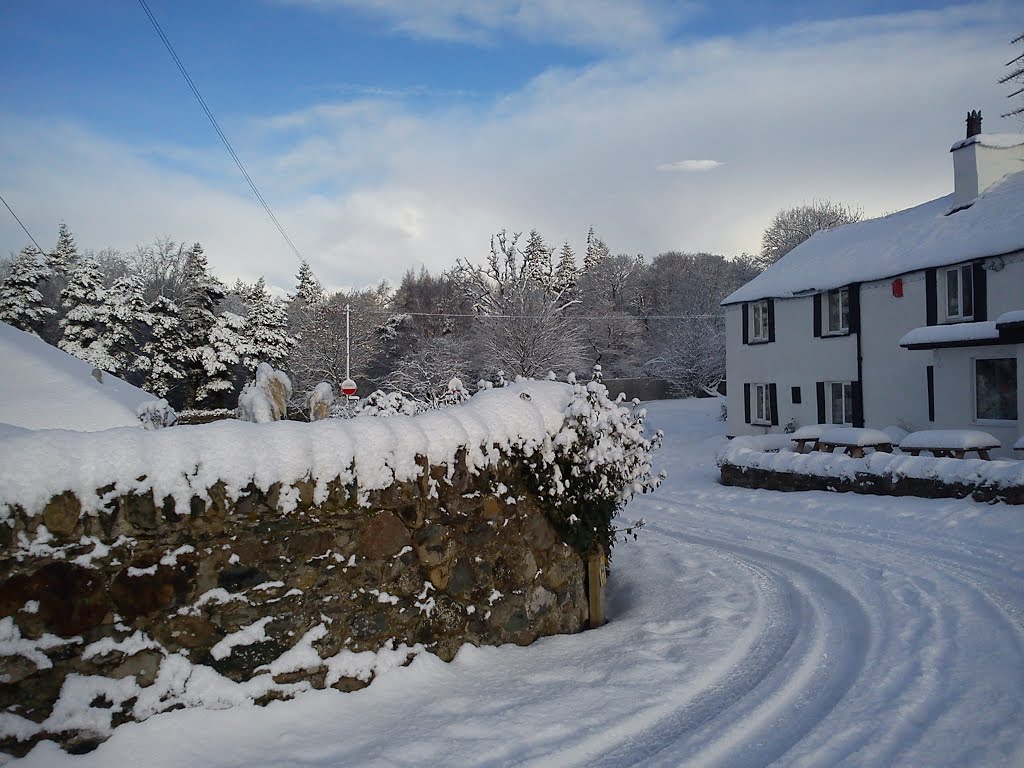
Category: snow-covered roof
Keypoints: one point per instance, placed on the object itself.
(951, 334)
(909, 240)
(42, 387)
(992, 140)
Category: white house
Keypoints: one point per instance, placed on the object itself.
(915, 319)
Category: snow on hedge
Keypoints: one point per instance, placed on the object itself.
(744, 452)
(186, 461)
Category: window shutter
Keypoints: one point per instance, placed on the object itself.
(930, 370)
(746, 401)
(773, 398)
(931, 297)
(821, 401)
(854, 296)
(817, 314)
(980, 291)
(746, 328)
(858, 403)
(771, 319)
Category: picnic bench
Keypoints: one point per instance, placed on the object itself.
(808, 435)
(949, 443)
(853, 441)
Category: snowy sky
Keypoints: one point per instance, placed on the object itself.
(387, 134)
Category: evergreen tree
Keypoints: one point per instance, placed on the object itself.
(308, 290)
(566, 275)
(597, 251)
(62, 261)
(163, 357)
(266, 330)
(220, 359)
(21, 301)
(537, 260)
(202, 292)
(124, 320)
(82, 303)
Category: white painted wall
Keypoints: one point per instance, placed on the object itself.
(977, 166)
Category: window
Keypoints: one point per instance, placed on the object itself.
(995, 389)
(759, 316)
(960, 293)
(762, 404)
(840, 402)
(838, 311)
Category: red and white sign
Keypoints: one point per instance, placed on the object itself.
(348, 387)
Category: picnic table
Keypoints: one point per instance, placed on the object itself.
(1019, 445)
(949, 443)
(808, 434)
(853, 440)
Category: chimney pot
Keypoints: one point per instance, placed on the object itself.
(973, 123)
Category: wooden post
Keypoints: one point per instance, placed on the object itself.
(597, 568)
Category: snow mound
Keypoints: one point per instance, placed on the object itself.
(46, 388)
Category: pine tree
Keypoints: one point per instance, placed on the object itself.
(62, 261)
(220, 360)
(82, 302)
(124, 319)
(266, 330)
(164, 357)
(21, 301)
(596, 251)
(308, 289)
(566, 275)
(202, 293)
(537, 260)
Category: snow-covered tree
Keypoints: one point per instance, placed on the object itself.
(566, 274)
(164, 356)
(82, 301)
(524, 329)
(220, 360)
(791, 226)
(21, 300)
(266, 398)
(200, 294)
(266, 329)
(596, 251)
(125, 320)
(308, 289)
(425, 373)
(537, 260)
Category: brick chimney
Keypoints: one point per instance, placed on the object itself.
(973, 123)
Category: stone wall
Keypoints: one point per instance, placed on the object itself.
(132, 603)
(868, 483)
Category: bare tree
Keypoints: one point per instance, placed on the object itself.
(792, 226)
(1016, 77)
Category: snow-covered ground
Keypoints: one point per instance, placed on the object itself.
(747, 627)
(42, 387)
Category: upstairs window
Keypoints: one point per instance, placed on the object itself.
(838, 318)
(759, 320)
(960, 293)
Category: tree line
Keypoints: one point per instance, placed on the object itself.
(158, 318)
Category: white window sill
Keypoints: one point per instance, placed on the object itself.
(1011, 423)
(830, 334)
(758, 341)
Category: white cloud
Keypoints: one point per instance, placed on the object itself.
(596, 23)
(689, 166)
(370, 187)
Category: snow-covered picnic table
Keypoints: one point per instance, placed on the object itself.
(952, 443)
(1019, 445)
(853, 440)
(808, 434)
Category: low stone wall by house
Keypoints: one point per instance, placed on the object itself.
(236, 586)
(869, 483)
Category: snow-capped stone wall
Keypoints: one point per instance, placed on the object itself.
(215, 564)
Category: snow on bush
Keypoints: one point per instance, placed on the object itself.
(266, 398)
(380, 403)
(156, 414)
(592, 466)
(320, 401)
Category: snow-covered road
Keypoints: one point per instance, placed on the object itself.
(748, 628)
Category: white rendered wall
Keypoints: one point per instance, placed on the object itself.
(976, 167)
(795, 359)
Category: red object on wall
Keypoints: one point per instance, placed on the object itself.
(897, 287)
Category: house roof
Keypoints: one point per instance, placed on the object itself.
(912, 239)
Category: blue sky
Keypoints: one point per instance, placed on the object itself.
(388, 134)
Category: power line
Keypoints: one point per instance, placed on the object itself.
(216, 127)
(20, 224)
(444, 315)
